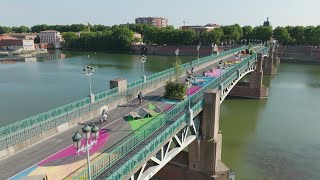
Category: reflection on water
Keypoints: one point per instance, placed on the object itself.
(275, 138)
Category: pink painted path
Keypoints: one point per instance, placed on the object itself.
(193, 90)
(213, 73)
(71, 151)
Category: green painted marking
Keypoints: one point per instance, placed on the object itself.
(151, 106)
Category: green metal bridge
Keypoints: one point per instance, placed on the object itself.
(153, 140)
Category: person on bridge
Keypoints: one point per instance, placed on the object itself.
(104, 115)
(140, 96)
(191, 68)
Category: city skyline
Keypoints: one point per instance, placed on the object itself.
(249, 12)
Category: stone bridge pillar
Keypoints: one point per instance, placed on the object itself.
(255, 88)
(276, 58)
(203, 159)
(270, 63)
(205, 154)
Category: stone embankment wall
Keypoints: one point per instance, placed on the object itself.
(299, 52)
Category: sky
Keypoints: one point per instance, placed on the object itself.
(193, 12)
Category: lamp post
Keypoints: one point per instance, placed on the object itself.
(198, 49)
(87, 130)
(177, 53)
(212, 45)
(188, 84)
(143, 59)
(88, 71)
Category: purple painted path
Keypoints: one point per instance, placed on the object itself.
(213, 73)
(193, 90)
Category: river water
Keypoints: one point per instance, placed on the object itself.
(279, 137)
(274, 138)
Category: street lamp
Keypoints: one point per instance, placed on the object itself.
(177, 53)
(188, 84)
(87, 130)
(198, 49)
(88, 71)
(212, 45)
(143, 59)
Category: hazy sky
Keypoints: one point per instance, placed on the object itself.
(194, 12)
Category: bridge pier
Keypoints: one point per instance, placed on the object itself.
(254, 88)
(203, 159)
(276, 57)
(270, 63)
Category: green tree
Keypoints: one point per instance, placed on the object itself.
(247, 32)
(263, 33)
(39, 27)
(122, 37)
(281, 34)
(4, 29)
(21, 29)
(297, 32)
(308, 34)
(70, 39)
(232, 33)
(316, 36)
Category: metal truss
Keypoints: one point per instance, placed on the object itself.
(179, 141)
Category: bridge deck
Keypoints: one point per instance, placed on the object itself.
(57, 154)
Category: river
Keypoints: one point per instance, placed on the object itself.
(278, 137)
(274, 138)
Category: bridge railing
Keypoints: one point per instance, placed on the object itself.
(27, 128)
(145, 131)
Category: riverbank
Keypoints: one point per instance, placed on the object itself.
(16, 55)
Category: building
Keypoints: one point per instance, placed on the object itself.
(24, 35)
(154, 21)
(201, 29)
(266, 23)
(51, 37)
(8, 42)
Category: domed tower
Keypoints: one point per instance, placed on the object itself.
(267, 23)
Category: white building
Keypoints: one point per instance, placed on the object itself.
(28, 44)
(51, 37)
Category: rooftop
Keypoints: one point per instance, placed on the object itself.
(17, 34)
(49, 31)
(6, 36)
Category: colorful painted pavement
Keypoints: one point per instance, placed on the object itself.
(67, 161)
(53, 166)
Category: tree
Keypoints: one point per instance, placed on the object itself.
(4, 29)
(297, 32)
(282, 35)
(247, 32)
(263, 33)
(39, 27)
(122, 37)
(316, 36)
(70, 39)
(308, 34)
(232, 33)
(21, 29)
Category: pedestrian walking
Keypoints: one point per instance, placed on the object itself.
(140, 96)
